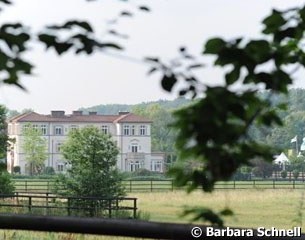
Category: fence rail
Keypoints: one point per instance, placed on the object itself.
(52, 205)
(111, 227)
(43, 186)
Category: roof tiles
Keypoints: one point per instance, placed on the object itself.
(125, 118)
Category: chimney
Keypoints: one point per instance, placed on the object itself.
(123, 112)
(77, 113)
(57, 113)
(92, 113)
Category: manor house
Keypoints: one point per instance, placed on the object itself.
(131, 133)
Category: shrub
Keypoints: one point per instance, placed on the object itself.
(284, 174)
(17, 169)
(49, 171)
(2, 166)
(295, 174)
(6, 184)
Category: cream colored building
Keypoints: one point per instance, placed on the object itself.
(132, 134)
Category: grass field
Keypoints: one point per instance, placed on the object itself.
(253, 208)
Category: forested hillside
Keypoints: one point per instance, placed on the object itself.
(293, 118)
(115, 108)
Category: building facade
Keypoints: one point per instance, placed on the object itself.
(131, 133)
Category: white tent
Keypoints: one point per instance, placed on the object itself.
(282, 158)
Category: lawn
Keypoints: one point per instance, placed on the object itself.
(253, 208)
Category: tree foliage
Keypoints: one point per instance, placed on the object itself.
(35, 149)
(92, 157)
(162, 135)
(73, 35)
(3, 132)
(215, 130)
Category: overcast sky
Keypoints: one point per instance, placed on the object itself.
(69, 82)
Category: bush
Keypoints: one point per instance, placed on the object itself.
(295, 174)
(2, 166)
(284, 174)
(6, 184)
(17, 169)
(49, 171)
(143, 174)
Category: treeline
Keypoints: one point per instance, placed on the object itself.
(115, 108)
(293, 118)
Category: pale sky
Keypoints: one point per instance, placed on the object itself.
(69, 81)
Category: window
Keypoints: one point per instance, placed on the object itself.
(105, 129)
(43, 129)
(57, 147)
(134, 148)
(156, 166)
(60, 167)
(133, 130)
(25, 127)
(126, 130)
(58, 130)
(73, 127)
(134, 166)
(142, 130)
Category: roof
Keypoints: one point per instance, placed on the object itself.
(124, 118)
(281, 158)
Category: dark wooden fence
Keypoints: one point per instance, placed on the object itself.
(112, 227)
(43, 186)
(52, 205)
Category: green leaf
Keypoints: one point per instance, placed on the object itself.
(152, 70)
(168, 82)
(226, 212)
(109, 45)
(233, 76)
(48, 39)
(214, 46)
(151, 59)
(259, 50)
(197, 65)
(69, 24)
(126, 14)
(273, 22)
(144, 8)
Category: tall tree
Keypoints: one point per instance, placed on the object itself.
(92, 157)
(3, 132)
(35, 149)
(163, 136)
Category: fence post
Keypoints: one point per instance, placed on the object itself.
(130, 185)
(273, 184)
(48, 186)
(253, 183)
(47, 204)
(234, 184)
(69, 205)
(109, 206)
(30, 204)
(26, 185)
(172, 185)
(134, 208)
(293, 184)
(151, 185)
